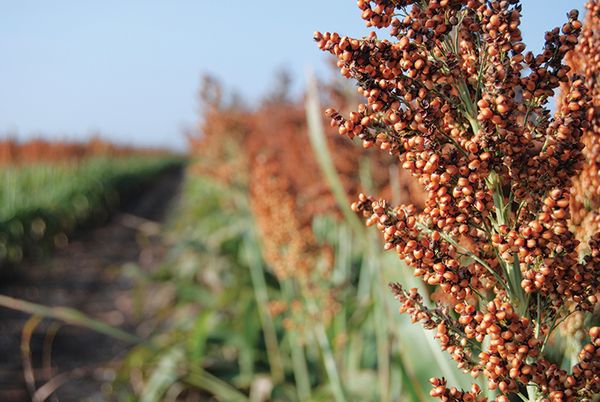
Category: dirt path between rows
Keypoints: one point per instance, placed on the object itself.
(91, 274)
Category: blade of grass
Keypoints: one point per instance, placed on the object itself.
(259, 286)
(410, 383)
(395, 184)
(298, 356)
(26, 335)
(330, 364)
(381, 328)
(319, 145)
(215, 386)
(47, 348)
(68, 315)
(45, 391)
(163, 376)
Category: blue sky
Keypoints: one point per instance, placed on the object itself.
(131, 68)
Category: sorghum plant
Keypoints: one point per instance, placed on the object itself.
(585, 205)
(457, 98)
(289, 245)
(585, 60)
(224, 127)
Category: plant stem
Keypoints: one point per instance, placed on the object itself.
(214, 385)
(328, 358)
(297, 352)
(330, 365)
(381, 330)
(259, 286)
(512, 270)
(319, 145)
(532, 393)
(300, 368)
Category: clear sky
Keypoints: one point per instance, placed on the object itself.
(131, 68)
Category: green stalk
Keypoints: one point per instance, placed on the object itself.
(319, 145)
(327, 353)
(300, 368)
(363, 288)
(515, 277)
(214, 385)
(381, 329)
(365, 175)
(330, 365)
(383, 347)
(298, 357)
(512, 271)
(410, 382)
(502, 208)
(395, 184)
(532, 393)
(259, 285)
(469, 105)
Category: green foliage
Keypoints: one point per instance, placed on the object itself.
(40, 204)
(209, 314)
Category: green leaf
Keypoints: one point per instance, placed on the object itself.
(163, 376)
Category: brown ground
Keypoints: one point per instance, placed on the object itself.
(91, 275)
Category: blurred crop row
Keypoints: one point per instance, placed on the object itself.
(47, 193)
(39, 150)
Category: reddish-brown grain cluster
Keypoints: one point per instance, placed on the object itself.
(289, 246)
(288, 243)
(585, 60)
(223, 129)
(462, 104)
(441, 391)
(232, 136)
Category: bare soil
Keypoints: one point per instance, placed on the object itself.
(91, 274)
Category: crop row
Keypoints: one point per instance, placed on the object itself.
(41, 204)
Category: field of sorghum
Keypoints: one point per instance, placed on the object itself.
(293, 303)
(486, 194)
